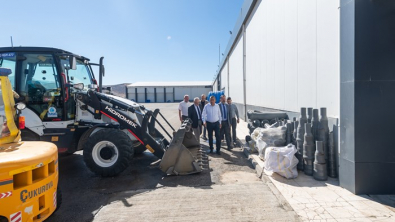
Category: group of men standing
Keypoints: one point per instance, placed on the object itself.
(211, 117)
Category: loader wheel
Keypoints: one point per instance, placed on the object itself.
(108, 152)
(138, 148)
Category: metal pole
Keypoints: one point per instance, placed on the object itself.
(155, 93)
(219, 54)
(135, 94)
(166, 121)
(164, 89)
(244, 71)
(145, 94)
(227, 59)
(101, 73)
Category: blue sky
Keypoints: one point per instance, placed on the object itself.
(167, 40)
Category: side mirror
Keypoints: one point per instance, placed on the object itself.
(73, 62)
(79, 86)
(92, 86)
(20, 106)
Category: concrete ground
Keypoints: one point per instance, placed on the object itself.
(316, 200)
(227, 190)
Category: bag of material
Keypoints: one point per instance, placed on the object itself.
(268, 137)
(281, 160)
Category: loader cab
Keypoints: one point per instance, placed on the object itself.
(41, 75)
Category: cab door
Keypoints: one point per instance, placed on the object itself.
(40, 87)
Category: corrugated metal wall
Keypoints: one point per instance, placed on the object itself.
(179, 92)
(215, 85)
(224, 78)
(236, 73)
(292, 56)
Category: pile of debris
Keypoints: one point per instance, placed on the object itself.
(307, 138)
(258, 119)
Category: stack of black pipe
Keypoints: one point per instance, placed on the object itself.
(308, 150)
(289, 133)
(320, 169)
(331, 157)
(295, 133)
(309, 114)
(300, 138)
(304, 133)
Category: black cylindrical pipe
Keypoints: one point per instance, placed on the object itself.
(101, 73)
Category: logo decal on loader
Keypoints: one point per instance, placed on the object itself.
(25, 194)
(122, 117)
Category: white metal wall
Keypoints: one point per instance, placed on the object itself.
(236, 73)
(141, 94)
(292, 56)
(224, 78)
(192, 91)
(160, 95)
(151, 94)
(169, 94)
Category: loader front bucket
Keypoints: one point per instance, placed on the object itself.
(184, 155)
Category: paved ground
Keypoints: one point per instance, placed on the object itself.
(227, 191)
(316, 200)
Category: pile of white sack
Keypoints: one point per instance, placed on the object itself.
(267, 137)
(270, 144)
(281, 160)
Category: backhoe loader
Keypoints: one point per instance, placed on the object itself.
(65, 106)
(28, 170)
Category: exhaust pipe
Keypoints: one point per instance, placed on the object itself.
(101, 73)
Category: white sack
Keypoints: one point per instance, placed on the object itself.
(281, 160)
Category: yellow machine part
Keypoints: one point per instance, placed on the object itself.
(28, 170)
(9, 110)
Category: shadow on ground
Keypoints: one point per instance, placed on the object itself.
(85, 193)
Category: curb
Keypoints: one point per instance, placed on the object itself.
(257, 163)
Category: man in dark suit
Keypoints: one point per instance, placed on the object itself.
(226, 122)
(195, 114)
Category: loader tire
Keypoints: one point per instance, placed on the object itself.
(108, 152)
(138, 148)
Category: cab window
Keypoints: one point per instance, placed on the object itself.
(40, 86)
(8, 60)
(81, 74)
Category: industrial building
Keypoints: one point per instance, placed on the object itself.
(338, 54)
(160, 92)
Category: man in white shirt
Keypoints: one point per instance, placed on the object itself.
(212, 120)
(183, 108)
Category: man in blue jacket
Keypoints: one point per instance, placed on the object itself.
(226, 122)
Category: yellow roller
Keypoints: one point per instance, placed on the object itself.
(28, 170)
